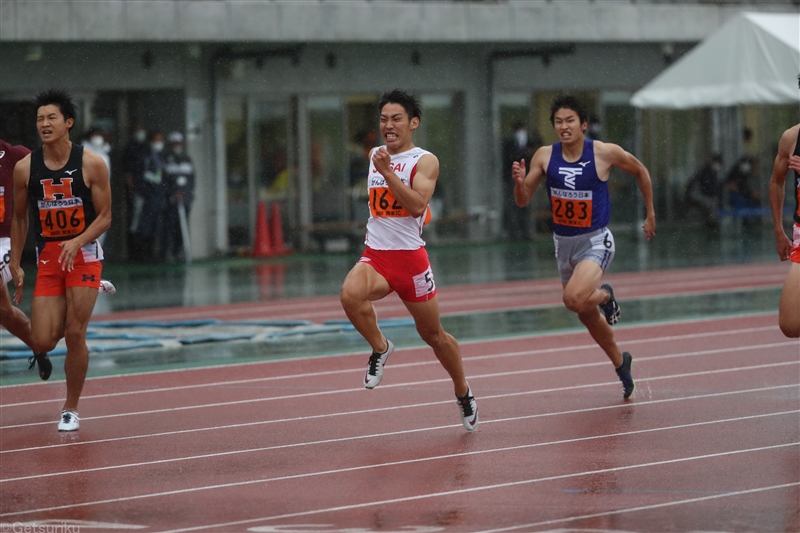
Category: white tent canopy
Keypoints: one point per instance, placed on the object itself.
(754, 58)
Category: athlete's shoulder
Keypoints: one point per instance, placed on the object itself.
(94, 167)
(791, 134)
(428, 164)
(23, 167)
(427, 156)
(609, 151)
(542, 156)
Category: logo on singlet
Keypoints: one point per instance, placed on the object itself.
(570, 174)
(583, 164)
(63, 189)
(2, 153)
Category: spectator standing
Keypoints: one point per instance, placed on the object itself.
(95, 142)
(133, 168)
(147, 201)
(179, 193)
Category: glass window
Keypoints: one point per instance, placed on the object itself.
(438, 133)
(329, 174)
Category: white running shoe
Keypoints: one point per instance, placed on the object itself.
(469, 410)
(107, 286)
(376, 361)
(69, 421)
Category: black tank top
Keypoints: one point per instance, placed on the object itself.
(60, 199)
(797, 183)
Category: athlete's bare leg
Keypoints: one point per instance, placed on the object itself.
(362, 286)
(47, 322)
(54, 317)
(13, 319)
(429, 326)
(582, 296)
(789, 308)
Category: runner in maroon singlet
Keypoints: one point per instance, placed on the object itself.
(12, 318)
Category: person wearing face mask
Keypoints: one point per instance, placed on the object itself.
(147, 201)
(95, 142)
(178, 196)
(703, 190)
(133, 168)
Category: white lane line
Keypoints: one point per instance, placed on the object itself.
(501, 355)
(644, 507)
(442, 380)
(369, 436)
(393, 408)
(395, 500)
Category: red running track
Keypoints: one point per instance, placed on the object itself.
(467, 299)
(710, 441)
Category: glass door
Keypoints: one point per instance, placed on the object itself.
(272, 174)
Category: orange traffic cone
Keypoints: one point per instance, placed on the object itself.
(261, 247)
(276, 237)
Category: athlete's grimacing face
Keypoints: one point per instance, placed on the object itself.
(396, 128)
(51, 124)
(568, 125)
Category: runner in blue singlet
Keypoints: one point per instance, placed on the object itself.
(576, 171)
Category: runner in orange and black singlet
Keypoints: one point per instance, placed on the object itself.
(787, 246)
(63, 209)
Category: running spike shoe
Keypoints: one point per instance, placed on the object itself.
(469, 410)
(610, 308)
(45, 366)
(377, 360)
(624, 373)
(69, 421)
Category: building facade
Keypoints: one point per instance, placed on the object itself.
(278, 98)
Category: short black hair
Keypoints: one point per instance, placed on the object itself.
(408, 101)
(59, 98)
(567, 101)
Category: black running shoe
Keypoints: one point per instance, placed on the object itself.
(45, 366)
(610, 308)
(624, 373)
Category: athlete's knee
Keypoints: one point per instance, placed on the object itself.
(7, 314)
(43, 343)
(350, 297)
(75, 334)
(436, 338)
(575, 302)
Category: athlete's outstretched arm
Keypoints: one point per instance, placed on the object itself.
(777, 190)
(95, 175)
(414, 199)
(525, 186)
(627, 162)
(19, 223)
